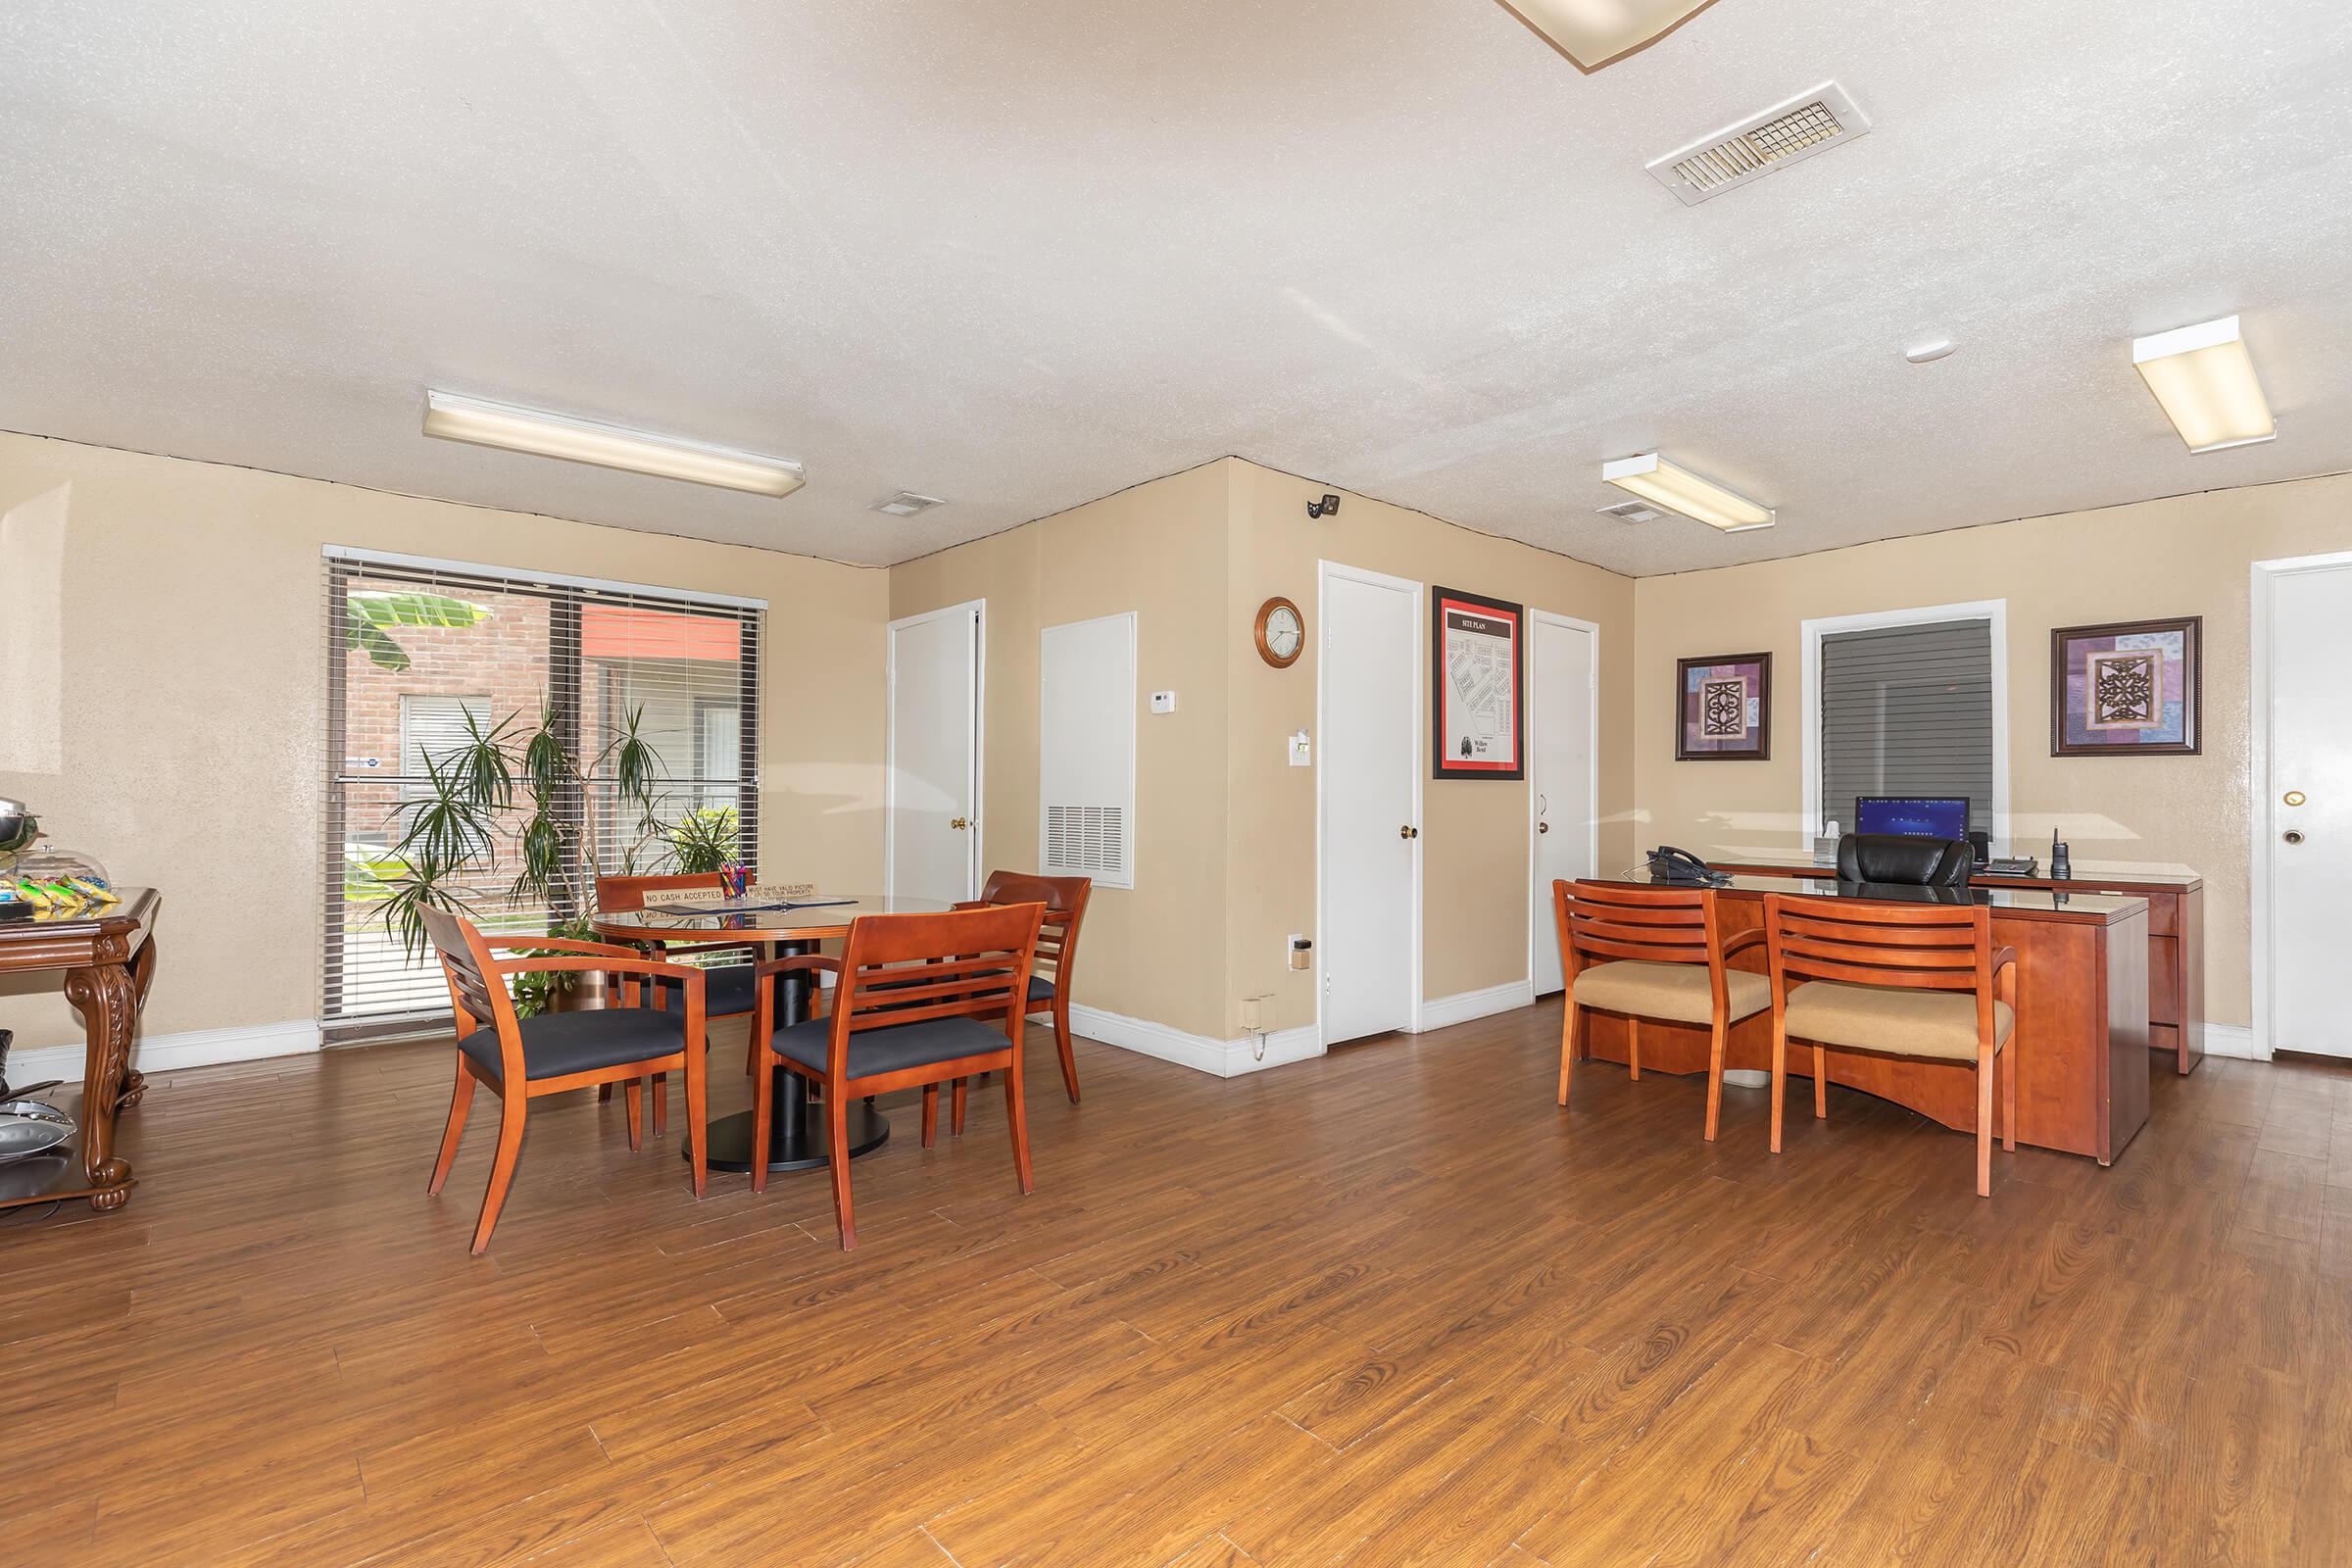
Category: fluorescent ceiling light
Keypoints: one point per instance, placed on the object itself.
(2204, 380)
(557, 435)
(1678, 489)
(1593, 33)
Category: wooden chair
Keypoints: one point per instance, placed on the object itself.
(1662, 953)
(1064, 898)
(1894, 980)
(525, 1058)
(908, 1010)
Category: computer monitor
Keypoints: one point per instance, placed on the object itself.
(1924, 816)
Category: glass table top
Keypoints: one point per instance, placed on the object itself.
(814, 913)
(2047, 900)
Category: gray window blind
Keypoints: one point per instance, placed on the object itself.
(1907, 711)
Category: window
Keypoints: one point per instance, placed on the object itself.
(1908, 702)
(417, 649)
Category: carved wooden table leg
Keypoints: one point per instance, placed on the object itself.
(142, 975)
(108, 997)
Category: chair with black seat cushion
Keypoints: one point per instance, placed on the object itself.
(1064, 898)
(521, 1059)
(1661, 954)
(727, 992)
(920, 999)
(1900, 860)
(1921, 981)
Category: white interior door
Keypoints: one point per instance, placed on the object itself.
(1560, 711)
(932, 834)
(2308, 837)
(1369, 795)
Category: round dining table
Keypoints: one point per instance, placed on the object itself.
(797, 1131)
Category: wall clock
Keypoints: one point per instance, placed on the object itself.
(1281, 632)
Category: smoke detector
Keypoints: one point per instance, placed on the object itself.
(905, 504)
(1632, 511)
(1763, 143)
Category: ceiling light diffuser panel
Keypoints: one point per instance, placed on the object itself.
(1593, 33)
(1677, 489)
(2204, 380)
(608, 446)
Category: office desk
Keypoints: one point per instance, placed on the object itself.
(2081, 1038)
(2175, 938)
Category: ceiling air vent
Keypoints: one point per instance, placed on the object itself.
(1797, 128)
(1632, 511)
(905, 504)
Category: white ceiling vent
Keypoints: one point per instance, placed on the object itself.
(905, 504)
(1796, 127)
(1632, 511)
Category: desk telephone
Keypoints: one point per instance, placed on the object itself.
(1669, 865)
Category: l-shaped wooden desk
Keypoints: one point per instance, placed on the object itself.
(2081, 1038)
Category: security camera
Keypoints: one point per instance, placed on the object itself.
(1328, 507)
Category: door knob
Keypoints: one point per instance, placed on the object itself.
(2295, 797)
(958, 822)
(2292, 836)
(1409, 831)
(1542, 827)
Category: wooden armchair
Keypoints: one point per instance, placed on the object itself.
(1661, 954)
(1064, 898)
(521, 1059)
(910, 1009)
(1923, 982)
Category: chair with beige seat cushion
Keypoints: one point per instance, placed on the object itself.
(1917, 981)
(1652, 953)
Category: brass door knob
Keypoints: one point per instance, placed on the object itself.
(1409, 831)
(958, 822)
(2295, 797)
(1542, 827)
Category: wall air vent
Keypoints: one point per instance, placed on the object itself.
(1737, 154)
(905, 504)
(1632, 511)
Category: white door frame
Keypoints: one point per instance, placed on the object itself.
(1995, 610)
(2260, 826)
(1535, 874)
(977, 609)
(1325, 571)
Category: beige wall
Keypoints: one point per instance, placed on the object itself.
(1226, 851)
(1153, 951)
(1474, 833)
(2187, 556)
(194, 691)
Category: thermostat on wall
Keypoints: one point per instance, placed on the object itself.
(1163, 702)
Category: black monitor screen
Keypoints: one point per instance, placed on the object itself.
(1924, 816)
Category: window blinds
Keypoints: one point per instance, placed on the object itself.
(415, 649)
(1907, 711)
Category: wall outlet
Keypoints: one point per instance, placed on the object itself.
(1250, 1023)
(1299, 952)
(1163, 702)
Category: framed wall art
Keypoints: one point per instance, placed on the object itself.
(2132, 688)
(1476, 730)
(1723, 709)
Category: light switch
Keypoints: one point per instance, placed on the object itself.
(1163, 702)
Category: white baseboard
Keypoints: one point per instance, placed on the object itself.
(194, 1048)
(1222, 1058)
(1440, 1012)
(2232, 1040)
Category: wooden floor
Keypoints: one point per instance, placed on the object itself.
(1389, 1306)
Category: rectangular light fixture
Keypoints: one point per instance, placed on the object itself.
(1593, 33)
(2204, 380)
(558, 435)
(1678, 489)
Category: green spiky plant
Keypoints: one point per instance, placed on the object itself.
(706, 839)
(451, 829)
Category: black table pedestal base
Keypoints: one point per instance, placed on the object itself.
(790, 1147)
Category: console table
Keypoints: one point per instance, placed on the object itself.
(108, 957)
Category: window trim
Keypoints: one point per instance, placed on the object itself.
(1812, 631)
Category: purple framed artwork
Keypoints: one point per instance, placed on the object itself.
(2131, 689)
(1723, 709)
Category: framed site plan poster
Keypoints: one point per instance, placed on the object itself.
(1723, 709)
(1476, 727)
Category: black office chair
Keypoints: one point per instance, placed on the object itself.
(1904, 861)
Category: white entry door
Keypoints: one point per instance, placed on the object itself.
(1559, 719)
(2308, 840)
(932, 832)
(1369, 802)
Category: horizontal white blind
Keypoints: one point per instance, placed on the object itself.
(415, 649)
(1907, 711)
